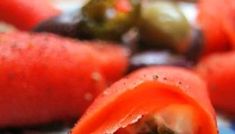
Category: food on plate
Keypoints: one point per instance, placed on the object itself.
(163, 100)
(26, 14)
(218, 71)
(157, 27)
(157, 24)
(46, 78)
(104, 19)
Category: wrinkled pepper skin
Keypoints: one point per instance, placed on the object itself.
(26, 14)
(218, 71)
(45, 78)
(139, 93)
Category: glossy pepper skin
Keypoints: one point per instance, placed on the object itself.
(26, 14)
(228, 21)
(46, 78)
(218, 71)
(129, 99)
(213, 18)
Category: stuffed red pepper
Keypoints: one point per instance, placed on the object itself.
(26, 14)
(159, 100)
(45, 78)
(216, 19)
(219, 73)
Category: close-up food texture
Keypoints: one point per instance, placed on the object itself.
(117, 67)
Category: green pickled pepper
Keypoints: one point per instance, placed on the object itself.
(103, 19)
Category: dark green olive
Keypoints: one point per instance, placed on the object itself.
(97, 19)
(108, 19)
(163, 25)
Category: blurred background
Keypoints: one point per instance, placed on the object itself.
(61, 4)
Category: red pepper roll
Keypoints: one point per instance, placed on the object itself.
(107, 53)
(217, 18)
(229, 21)
(26, 14)
(211, 14)
(45, 78)
(218, 70)
(152, 100)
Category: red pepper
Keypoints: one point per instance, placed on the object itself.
(229, 20)
(218, 70)
(26, 14)
(210, 17)
(167, 92)
(46, 78)
(107, 54)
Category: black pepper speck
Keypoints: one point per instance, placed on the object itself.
(155, 77)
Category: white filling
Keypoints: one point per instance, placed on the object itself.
(180, 120)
